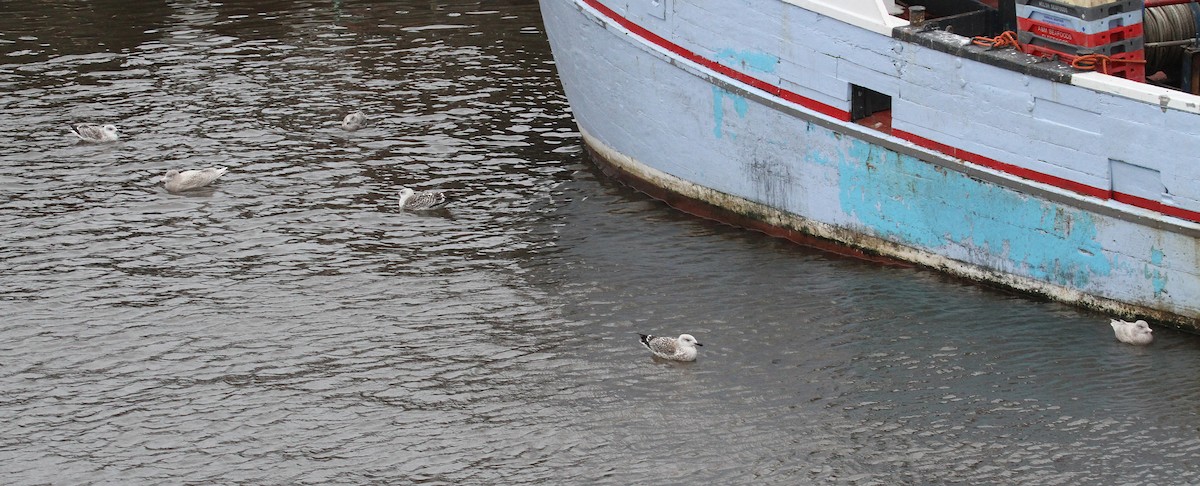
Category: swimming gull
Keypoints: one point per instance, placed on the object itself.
(1132, 332)
(91, 132)
(421, 200)
(354, 121)
(682, 348)
(176, 180)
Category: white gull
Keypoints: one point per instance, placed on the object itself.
(421, 200)
(1138, 332)
(682, 348)
(354, 121)
(91, 132)
(176, 180)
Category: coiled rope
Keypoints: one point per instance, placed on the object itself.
(1006, 39)
(1099, 62)
(1087, 62)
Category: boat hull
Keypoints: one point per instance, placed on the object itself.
(721, 148)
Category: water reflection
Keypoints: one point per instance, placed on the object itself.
(291, 324)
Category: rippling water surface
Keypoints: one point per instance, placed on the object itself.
(290, 325)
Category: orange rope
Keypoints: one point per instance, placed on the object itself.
(1099, 62)
(1008, 38)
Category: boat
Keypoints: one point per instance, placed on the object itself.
(1046, 146)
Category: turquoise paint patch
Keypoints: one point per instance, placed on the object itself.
(1157, 278)
(744, 61)
(824, 158)
(718, 111)
(909, 201)
(740, 106)
(748, 60)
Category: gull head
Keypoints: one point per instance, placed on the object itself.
(688, 339)
(1142, 327)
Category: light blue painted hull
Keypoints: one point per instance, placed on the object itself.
(685, 133)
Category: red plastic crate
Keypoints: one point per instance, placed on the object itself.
(1065, 21)
(1086, 13)
(1135, 44)
(1068, 36)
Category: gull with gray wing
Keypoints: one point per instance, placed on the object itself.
(178, 181)
(682, 348)
(411, 200)
(91, 132)
(1137, 333)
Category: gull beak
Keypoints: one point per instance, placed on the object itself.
(698, 344)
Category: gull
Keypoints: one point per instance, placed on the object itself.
(421, 200)
(682, 348)
(1132, 332)
(176, 180)
(354, 121)
(91, 132)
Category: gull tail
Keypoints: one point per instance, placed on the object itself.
(646, 340)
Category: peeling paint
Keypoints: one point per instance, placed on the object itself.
(748, 60)
(911, 203)
(740, 106)
(1157, 277)
(792, 226)
(752, 61)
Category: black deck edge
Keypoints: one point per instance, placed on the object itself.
(1007, 58)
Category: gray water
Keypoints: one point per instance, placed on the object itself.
(290, 325)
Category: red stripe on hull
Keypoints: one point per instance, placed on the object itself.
(1028, 174)
(836, 113)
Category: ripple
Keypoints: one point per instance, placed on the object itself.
(290, 300)
(292, 325)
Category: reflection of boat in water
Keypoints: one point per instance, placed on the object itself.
(837, 121)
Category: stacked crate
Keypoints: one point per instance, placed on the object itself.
(1069, 29)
